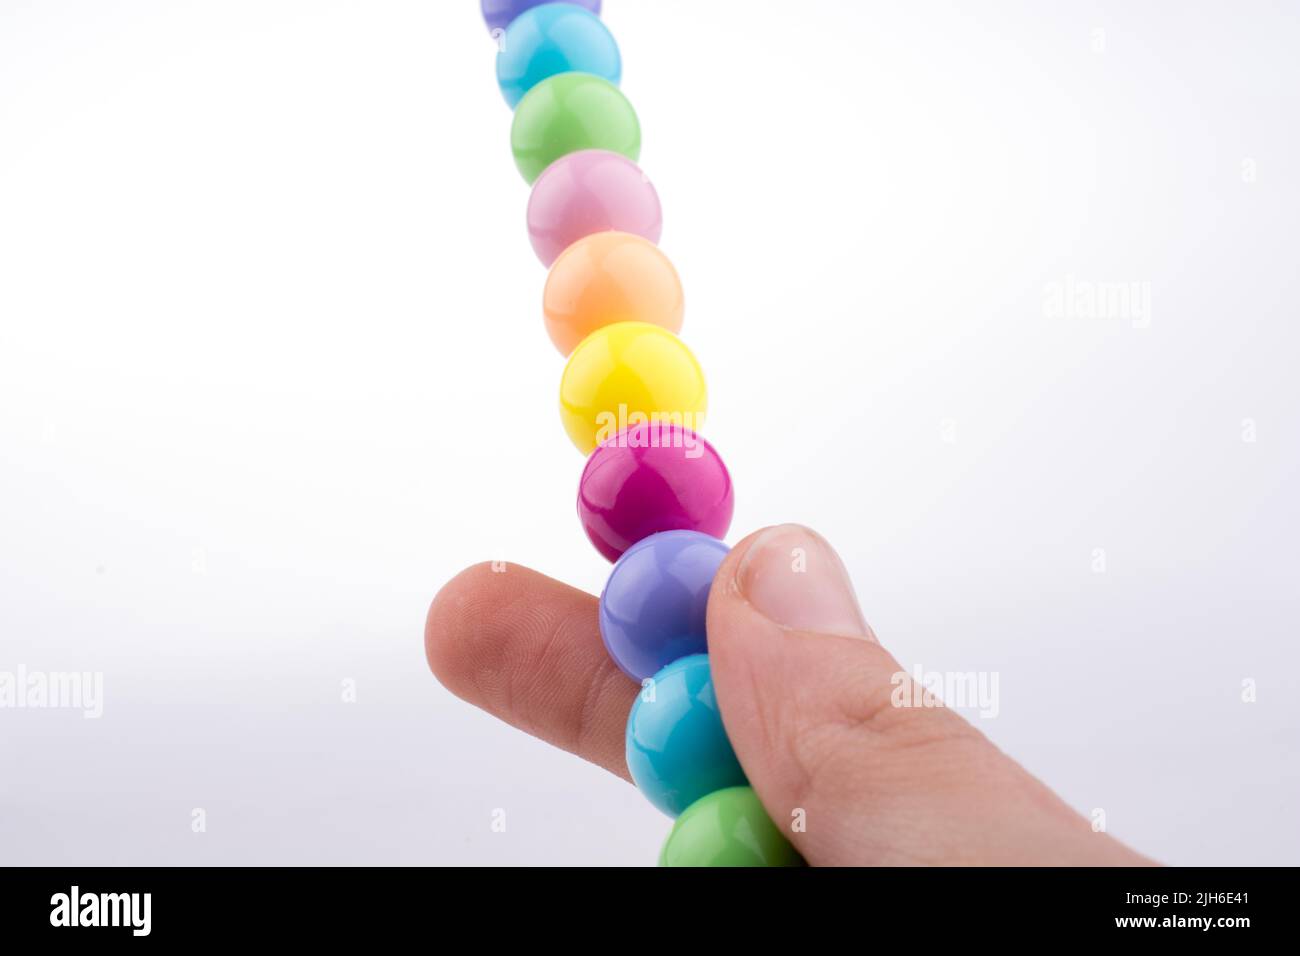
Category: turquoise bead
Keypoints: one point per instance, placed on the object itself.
(551, 39)
(677, 749)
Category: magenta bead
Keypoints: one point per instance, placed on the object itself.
(592, 190)
(651, 478)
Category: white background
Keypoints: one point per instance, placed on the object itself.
(272, 369)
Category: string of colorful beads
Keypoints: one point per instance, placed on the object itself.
(654, 497)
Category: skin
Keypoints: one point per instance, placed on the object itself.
(807, 700)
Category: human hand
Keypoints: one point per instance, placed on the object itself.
(807, 697)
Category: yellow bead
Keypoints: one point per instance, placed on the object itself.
(625, 374)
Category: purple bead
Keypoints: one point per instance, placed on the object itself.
(498, 13)
(653, 607)
(650, 478)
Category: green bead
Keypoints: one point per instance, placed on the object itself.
(568, 112)
(727, 828)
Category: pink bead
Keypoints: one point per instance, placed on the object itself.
(650, 478)
(592, 190)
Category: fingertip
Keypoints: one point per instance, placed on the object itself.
(726, 586)
(527, 649)
(444, 632)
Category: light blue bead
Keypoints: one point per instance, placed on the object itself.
(554, 38)
(677, 749)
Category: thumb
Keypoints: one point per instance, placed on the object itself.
(808, 697)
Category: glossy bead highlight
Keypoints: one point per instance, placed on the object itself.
(650, 478)
(498, 14)
(569, 112)
(610, 277)
(653, 606)
(626, 373)
(550, 39)
(727, 828)
(677, 749)
(590, 191)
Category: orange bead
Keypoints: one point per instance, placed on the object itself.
(610, 277)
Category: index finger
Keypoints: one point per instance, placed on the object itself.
(527, 649)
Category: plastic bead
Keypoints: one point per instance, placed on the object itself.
(651, 478)
(653, 497)
(625, 374)
(569, 112)
(550, 39)
(592, 190)
(653, 607)
(498, 14)
(610, 277)
(677, 749)
(727, 828)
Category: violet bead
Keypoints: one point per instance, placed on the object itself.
(651, 478)
(653, 607)
(498, 14)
